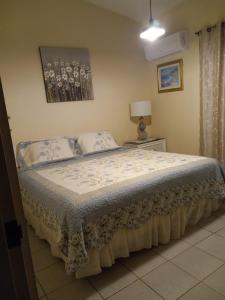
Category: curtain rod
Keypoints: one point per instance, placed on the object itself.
(209, 28)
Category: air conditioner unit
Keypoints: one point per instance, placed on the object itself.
(173, 43)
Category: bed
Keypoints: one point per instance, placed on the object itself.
(93, 209)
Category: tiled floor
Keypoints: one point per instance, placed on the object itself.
(191, 268)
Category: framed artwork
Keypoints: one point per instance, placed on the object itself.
(170, 76)
(67, 74)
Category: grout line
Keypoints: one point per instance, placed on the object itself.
(184, 270)
(58, 288)
(121, 289)
(91, 284)
(219, 235)
(141, 278)
(189, 290)
(214, 232)
(218, 292)
(145, 283)
(44, 268)
(214, 217)
(223, 261)
(119, 263)
(209, 253)
(200, 280)
(202, 239)
(61, 286)
(213, 272)
(168, 259)
(220, 228)
(212, 288)
(203, 282)
(43, 290)
(37, 250)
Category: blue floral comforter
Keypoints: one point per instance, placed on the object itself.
(90, 198)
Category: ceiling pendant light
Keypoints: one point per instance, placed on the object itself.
(154, 31)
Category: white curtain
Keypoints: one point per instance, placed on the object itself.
(212, 92)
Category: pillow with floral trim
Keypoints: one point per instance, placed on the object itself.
(94, 142)
(36, 153)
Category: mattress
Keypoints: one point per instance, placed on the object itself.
(87, 200)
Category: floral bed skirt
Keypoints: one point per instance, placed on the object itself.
(159, 229)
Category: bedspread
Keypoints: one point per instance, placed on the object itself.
(90, 198)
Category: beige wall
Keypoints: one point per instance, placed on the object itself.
(176, 114)
(120, 72)
(117, 60)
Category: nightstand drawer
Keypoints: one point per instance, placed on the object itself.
(155, 145)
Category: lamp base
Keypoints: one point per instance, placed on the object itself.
(142, 134)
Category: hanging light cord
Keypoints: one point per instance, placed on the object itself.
(150, 6)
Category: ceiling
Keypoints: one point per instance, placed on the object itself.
(137, 10)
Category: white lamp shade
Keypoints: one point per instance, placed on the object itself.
(140, 109)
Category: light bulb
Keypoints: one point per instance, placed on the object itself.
(152, 33)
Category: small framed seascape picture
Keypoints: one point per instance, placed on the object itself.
(170, 76)
(67, 74)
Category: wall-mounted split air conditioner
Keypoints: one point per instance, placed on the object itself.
(168, 45)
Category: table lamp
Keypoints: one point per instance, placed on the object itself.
(141, 109)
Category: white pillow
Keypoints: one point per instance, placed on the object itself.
(36, 153)
(96, 142)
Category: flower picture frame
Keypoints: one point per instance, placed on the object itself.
(67, 74)
(170, 76)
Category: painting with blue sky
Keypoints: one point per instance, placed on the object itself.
(169, 76)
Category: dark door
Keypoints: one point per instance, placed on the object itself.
(17, 276)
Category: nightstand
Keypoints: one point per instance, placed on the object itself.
(152, 144)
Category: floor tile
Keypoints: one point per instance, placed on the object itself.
(214, 245)
(202, 292)
(30, 231)
(111, 280)
(79, 289)
(217, 280)
(136, 291)
(213, 223)
(39, 290)
(169, 281)
(143, 262)
(172, 249)
(221, 212)
(43, 259)
(54, 277)
(37, 244)
(197, 263)
(195, 234)
(221, 232)
(205, 221)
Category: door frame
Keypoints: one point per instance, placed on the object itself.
(16, 264)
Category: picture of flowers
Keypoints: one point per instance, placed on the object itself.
(67, 74)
